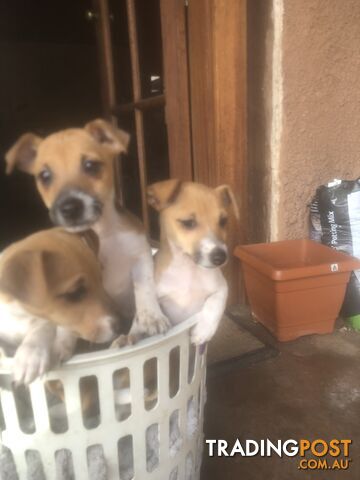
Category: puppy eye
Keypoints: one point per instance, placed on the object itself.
(45, 176)
(75, 295)
(188, 224)
(223, 221)
(92, 167)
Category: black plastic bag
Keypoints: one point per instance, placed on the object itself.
(335, 221)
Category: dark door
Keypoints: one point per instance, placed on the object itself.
(49, 80)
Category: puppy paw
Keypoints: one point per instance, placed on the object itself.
(63, 351)
(64, 354)
(30, 362)
(158, 323)
(150, 323)
(201, 333)
(124, 341)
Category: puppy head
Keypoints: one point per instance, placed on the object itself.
(193, 218)
(73, 170)
(55, 275)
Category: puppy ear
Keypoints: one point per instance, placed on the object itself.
(227, 198)
(31, 276)
(114, 139)
(23, 153)
(57, 274)
(22, 277)
(162, 194)
(91, 239)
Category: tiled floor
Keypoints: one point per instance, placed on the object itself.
(310, 390)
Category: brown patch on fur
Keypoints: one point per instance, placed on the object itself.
(44, 271)
(62, 154)
(106, 133)
(228, 198)
(162, 194)
(193, 201)
(23, 153)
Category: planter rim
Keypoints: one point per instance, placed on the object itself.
(331, 263)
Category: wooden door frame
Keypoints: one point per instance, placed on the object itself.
(101, 17)
(217, 59)
(177, 92)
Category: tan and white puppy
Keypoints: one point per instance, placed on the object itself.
(51, 293)
(74, 175)
(189, 280)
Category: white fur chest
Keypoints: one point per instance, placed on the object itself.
(183, 287)
(118, 254)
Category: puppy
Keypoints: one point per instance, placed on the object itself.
(51, 293)
(189, 281)
(75, 177)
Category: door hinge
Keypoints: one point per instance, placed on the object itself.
(186, 2)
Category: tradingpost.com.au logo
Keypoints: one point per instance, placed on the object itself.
(316, 454)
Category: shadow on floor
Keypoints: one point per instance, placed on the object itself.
(310, 390)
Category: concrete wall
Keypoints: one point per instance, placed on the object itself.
(311, 132)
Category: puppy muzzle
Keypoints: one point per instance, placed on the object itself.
(75, 209)
(214, 257)
(106, 329)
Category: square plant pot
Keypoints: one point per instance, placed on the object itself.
(295, 287)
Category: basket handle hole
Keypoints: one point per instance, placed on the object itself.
(55, 399)
(126, 457)
(152, 447)
(192, 417)
(90, 403)
(150, 372)
(2, 418)
(174, 371)
(64, 463)
(122, 395)
(175, 440)
(192, 357)
(34, 464)
(24, 408)
(7, 464)
(96, 462)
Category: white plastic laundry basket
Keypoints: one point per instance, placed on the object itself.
(100, 423)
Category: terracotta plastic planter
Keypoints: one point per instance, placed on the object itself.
(295, 287)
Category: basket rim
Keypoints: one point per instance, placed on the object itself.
(87, 359)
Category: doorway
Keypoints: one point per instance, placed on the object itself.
(170, 72)
(49, 80)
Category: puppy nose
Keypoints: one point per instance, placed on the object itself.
(72, 208)
(218, 256)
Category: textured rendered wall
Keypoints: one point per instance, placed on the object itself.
(320, 136)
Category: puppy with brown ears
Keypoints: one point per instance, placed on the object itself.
(51, 293)
(74, 175)
(188, 277)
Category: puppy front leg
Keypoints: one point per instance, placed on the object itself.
(210, 315)
(34, 356)
(149, 319)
